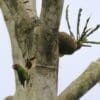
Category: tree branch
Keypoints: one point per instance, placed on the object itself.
(18, 10)
(16, 51)
(30, 7)
(50, 17)
(17, 54)
(82, 84)
(51, 14)
(23, 23)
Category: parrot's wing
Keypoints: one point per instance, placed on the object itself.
(23, 75)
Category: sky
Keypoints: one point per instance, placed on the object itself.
(70, 66)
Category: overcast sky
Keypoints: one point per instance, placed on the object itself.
(71, 66)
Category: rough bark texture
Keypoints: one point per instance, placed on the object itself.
(30, 37)
(82, 84)
(38, 38)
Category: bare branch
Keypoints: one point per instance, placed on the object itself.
(51, 14)
(23, 24)
(30, 7)
(18, 10)
(17, 54)
(82, 84)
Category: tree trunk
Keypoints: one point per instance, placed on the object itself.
(32, 37)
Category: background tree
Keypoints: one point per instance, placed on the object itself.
(38, 38)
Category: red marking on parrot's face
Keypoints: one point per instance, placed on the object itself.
(16, 66)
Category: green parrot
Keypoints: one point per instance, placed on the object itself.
(22, 74)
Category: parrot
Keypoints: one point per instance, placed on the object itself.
(22, 74)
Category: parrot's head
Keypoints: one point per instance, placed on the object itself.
(16, 66)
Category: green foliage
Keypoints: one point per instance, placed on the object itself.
(82, 38)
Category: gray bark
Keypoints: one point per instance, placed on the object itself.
(89, 78)
(31, 38)
(34, 37)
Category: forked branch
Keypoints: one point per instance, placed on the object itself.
(51, 14)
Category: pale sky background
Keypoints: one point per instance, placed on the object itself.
(71, 66)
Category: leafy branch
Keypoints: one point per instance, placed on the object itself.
(82, 38)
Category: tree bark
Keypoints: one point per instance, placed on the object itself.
(30, 37)
(89, 78)
(38, 37)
